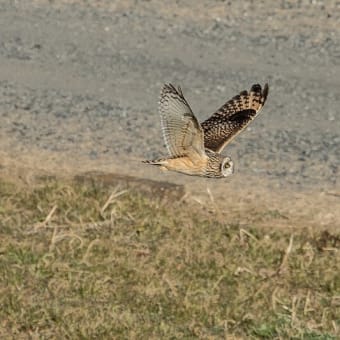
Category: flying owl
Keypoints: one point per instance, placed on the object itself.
(194, 148)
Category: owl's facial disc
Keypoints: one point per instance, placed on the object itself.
(227, 167)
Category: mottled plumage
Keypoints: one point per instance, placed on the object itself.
(229, 120)
(181, 130)
(194, 148)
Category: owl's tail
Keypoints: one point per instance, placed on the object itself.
(159, 162)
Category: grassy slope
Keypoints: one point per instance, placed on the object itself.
(74, 264)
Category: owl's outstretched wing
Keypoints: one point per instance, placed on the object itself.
(233, 117)
(182, 132)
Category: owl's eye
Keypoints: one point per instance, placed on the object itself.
(226, 165)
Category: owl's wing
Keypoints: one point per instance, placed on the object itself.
(233, 117)
(182, 132)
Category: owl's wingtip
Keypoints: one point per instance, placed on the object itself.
(169, 87)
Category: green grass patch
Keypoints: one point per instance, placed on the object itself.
(87, 261)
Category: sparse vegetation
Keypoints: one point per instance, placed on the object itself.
(82, 261)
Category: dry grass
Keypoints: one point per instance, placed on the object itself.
(91, 262)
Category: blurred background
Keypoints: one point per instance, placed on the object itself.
(80, 82)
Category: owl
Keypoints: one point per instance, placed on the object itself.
(194, 148)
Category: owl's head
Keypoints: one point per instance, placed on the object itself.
(227, 167)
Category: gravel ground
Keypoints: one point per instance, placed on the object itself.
(82, 79)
